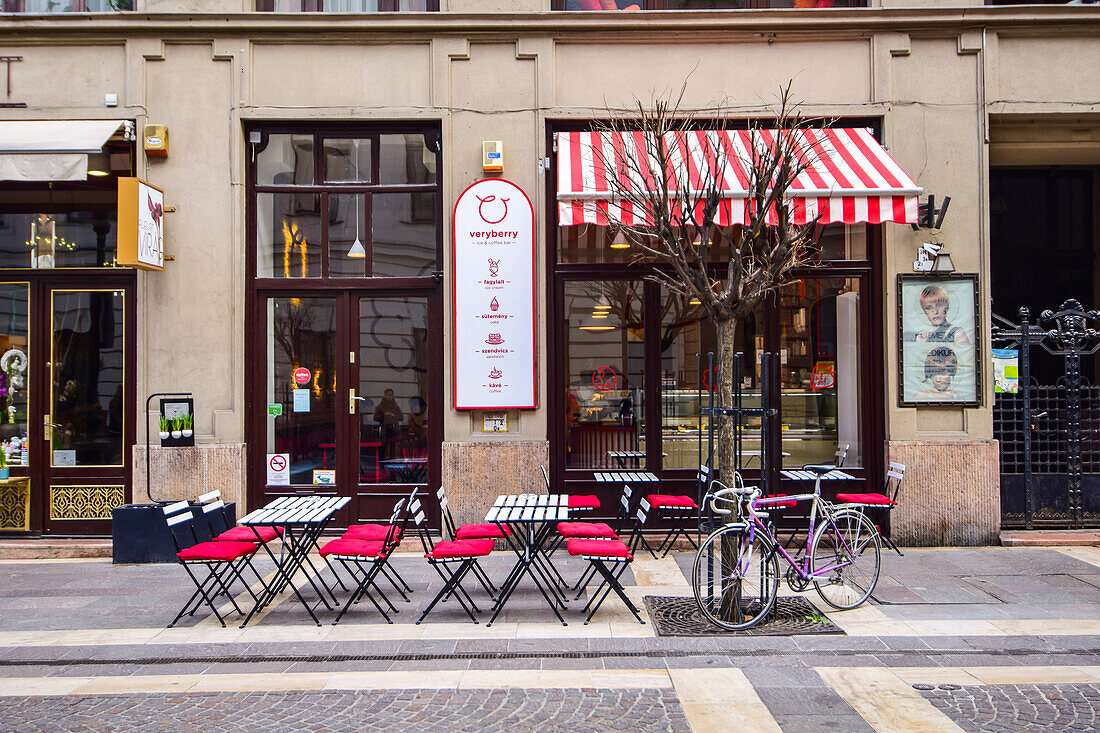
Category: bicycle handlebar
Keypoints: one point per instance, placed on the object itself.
(723, 494)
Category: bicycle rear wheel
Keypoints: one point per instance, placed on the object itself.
(735, 577)
(848, 550)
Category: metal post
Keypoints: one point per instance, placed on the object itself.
(1025, 388)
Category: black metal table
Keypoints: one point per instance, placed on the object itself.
(531, 518)
(302, 519)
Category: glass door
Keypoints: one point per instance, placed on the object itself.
(83, 460)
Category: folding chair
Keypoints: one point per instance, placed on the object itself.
(486, 531)
(577, 502)
(602, 552)
(213, 506)
(841, 455)
(221, 560)
(445, 554)
(365, 559)
(878, 506)
(679, 508)
(376, 532)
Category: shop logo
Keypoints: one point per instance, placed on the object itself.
(604, 378)
(488, 200)
(494, 267)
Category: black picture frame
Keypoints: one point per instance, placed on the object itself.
(939, 340)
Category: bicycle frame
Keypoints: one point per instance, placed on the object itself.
(802, 569)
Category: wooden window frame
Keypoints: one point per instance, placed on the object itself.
(317, 6)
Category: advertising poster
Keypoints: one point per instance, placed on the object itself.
(938, 340)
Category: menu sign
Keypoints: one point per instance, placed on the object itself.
(494, 297)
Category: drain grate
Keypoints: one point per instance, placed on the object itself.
(676, 616)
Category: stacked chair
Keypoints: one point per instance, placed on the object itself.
(213, 566)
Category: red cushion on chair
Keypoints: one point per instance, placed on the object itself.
(769, 502)
(461, 548)
(598, 548)
(217, 551)
(371, 532)
(586, 529)
(245, 534)
(481, 532)
(874, 499)
(584, 501)
(658, 501)
(349, 546)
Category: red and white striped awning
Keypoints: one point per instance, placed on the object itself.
(849, 178)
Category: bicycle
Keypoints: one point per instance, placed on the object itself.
(735, 576)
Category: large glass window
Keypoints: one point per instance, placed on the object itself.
(14, 373)
(372, 211)
(605, 372)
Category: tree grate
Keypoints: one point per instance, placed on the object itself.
(677, 616)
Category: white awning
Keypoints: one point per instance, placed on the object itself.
(51, 150)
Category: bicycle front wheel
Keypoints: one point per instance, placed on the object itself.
(735, 577)
(845, 559)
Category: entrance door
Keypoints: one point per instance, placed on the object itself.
(353, 389)
(66, 376)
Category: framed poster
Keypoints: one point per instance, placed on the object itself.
(938, 356)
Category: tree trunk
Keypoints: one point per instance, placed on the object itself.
(730, 608)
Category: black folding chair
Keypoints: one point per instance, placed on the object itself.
(452, 560)
(487, 531)
(378, 532)
(221, 562)
(602, 555)
(878, 506)
(364, 560)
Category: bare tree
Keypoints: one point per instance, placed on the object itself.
(718, 219)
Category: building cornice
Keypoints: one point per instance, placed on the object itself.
(1031, 20)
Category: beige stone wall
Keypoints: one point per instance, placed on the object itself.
(951, 494)
(187, 473)
(475, 474)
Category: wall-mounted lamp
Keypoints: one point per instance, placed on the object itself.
(928, 216)
(932, 257)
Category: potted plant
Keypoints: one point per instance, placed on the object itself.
(5, 472)
(177, 427)
(188, 425)
(165, 426)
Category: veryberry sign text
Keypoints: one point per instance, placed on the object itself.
(494, 297)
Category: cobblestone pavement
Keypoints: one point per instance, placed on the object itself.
(483, 711)
(1062, 707)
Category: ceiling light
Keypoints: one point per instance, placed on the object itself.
(99, 165)
(619, 242)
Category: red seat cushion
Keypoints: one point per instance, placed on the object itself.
(461, 548)
(670, 501)
(769, 502)
(481, 532)
(219, 551)
(598, 548)
(584, 501)
(372, 532)
(353, 547)
(874, 499)
(245, 534)
(586, 529)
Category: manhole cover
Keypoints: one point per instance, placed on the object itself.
(677, 616)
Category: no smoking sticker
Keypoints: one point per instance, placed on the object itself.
(278, 469)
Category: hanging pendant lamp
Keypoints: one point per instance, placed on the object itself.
(357, 251)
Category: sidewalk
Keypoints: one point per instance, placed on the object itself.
(958, 639)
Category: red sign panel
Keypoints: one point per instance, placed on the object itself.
(302, 375)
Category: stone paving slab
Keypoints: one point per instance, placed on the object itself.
(1041, 707)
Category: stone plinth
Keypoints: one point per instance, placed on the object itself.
(475, 474)
(951, 494)
(186, 473)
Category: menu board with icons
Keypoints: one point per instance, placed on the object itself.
(494, 297)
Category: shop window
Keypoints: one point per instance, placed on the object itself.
(338, 206)
(347, 6)
(65, 6)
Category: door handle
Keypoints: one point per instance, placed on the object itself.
(352, 399)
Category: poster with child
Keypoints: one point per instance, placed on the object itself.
(938, 328)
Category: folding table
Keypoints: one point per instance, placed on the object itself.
(531, 518)
(303, 519)
(625, 477)
(802, 475)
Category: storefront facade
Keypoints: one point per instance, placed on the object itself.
(290, 146)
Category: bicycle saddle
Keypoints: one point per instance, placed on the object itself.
(820, 469)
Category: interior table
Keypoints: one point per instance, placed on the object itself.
(625, 477)
(302, 520)
(531, 518)
(803, 475)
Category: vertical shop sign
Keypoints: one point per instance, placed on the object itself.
(494, 297)
(140, 225)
